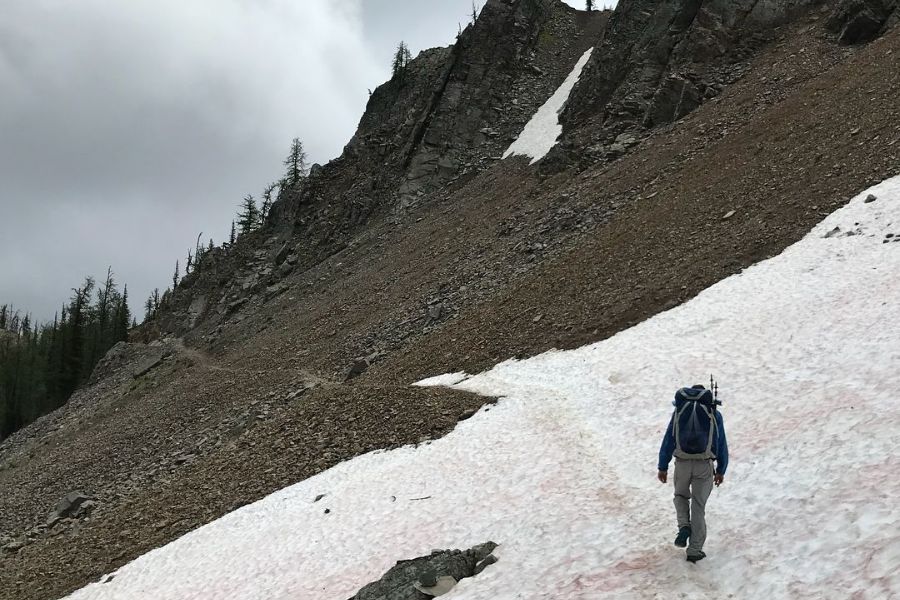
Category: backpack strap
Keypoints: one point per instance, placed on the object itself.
(677, 417)
(713, 431)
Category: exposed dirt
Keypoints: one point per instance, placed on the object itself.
(297, 439)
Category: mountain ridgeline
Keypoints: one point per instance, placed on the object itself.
(449, 114)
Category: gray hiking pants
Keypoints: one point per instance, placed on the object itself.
(693, 484)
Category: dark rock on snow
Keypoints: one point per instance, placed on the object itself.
(400, 582)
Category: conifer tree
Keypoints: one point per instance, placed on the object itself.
(589, 5)
(248, 217)
(53, 359)
(175, 276)
(122, 319)
(199, 251)
(296, 165)
(42, 364)
(73, 351)
(233, 236)
(401, 60)
(266, 202)
(148, 309)
(99, 328)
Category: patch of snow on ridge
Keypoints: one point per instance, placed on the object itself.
(542, 131)
(562, 471)
(447, 380)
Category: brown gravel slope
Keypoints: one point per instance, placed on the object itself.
(810, 126)
(296, 439)
(589, 253)
(782, 157)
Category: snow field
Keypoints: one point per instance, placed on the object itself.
(562, 471)
(542, 131)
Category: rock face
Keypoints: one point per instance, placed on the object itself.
(860, 21)
(407, 577)
(449, 113)
(660, 60)
(444, 119)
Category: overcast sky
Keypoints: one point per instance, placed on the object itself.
(127, 128)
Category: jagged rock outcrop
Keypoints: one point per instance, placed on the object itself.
(445, 118)
(659, 60)
(447, 115)
(453, 111)
(860, 21)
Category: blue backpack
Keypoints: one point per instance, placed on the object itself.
(694, 424)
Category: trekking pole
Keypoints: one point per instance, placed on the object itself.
(714, 388)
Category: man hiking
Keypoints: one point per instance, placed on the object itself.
(696, 436)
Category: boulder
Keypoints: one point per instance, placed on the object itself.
(146, 366)
(357, 368)
(236, 305)
(71, 506)
(429, 576)
(275, 290)
(860, 21)
(435, 311)
(196, 310)
(285, 269)
(282, 254)
(13, 547)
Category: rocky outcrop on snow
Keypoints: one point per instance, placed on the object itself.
(429, 576)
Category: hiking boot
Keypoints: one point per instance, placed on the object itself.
(681, 539)
(695, 557)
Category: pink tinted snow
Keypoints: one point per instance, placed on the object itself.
(561, 472)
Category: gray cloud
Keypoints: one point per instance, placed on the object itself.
(126, 128)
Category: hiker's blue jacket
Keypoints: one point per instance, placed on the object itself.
(720, 443)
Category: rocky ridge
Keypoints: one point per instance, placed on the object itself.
(444, 120)
(660, 61)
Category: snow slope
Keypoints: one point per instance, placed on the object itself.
(561, 472)
(542, 131)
